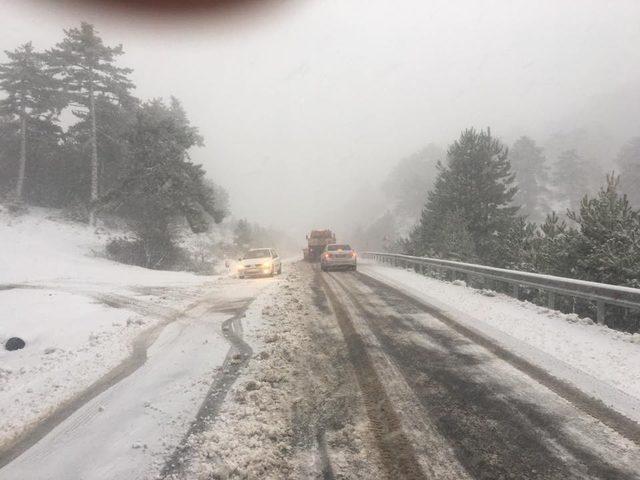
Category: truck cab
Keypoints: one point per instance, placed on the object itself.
(317, 241)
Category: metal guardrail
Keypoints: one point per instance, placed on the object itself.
(601, 293)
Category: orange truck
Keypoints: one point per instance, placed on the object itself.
(317, 240)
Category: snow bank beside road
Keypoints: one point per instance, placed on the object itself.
(604, 355)
(70, 341)
(78, 313)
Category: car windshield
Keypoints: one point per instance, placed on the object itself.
(261, 253)
(336, 247)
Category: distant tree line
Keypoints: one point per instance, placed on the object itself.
(122, 155)
(387, 212)
(486, 199)
(252, 235)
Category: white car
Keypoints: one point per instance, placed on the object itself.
(259, 262)
(338, 255)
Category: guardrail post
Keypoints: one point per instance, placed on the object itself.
(551, 303)
(601, 312)
(516, 292)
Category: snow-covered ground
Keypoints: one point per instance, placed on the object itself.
(128, 430)
(295, 400)
(40, 247)
(598, 360)
(295, 392)
(79, 313)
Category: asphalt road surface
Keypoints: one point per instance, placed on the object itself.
(447, 405)
(429, 399)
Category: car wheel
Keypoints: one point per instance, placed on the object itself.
(241, 276)
(280, 269)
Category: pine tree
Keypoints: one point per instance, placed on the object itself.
(33, 98)
(529, 164)
(9, 150)
(570, 179)
(516, 246)
(453, 240)
(218, 197)
(87, 68)
(115, 121)
(476, 185)
(554, 247)
(629, 161)
(161, 186)
(608, 247)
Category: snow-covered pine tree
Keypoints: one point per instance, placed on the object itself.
(477, 185)
(114, 121)
(629, 162)
(32, 99)
(87, 68)
(608, 246)
(554, 247)
(529, 165)
(453, 240)
(162, 186)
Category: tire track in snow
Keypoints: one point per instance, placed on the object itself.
(138, 356)
(238, 355)
(592, 406)
(396, 451)
(496, 435)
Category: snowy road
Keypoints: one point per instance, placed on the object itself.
(444, 406)
(131, 428)
(332, 375)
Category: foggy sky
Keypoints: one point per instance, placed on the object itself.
(300, 106)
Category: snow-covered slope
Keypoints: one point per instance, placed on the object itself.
(40, 246)
(77, 311)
